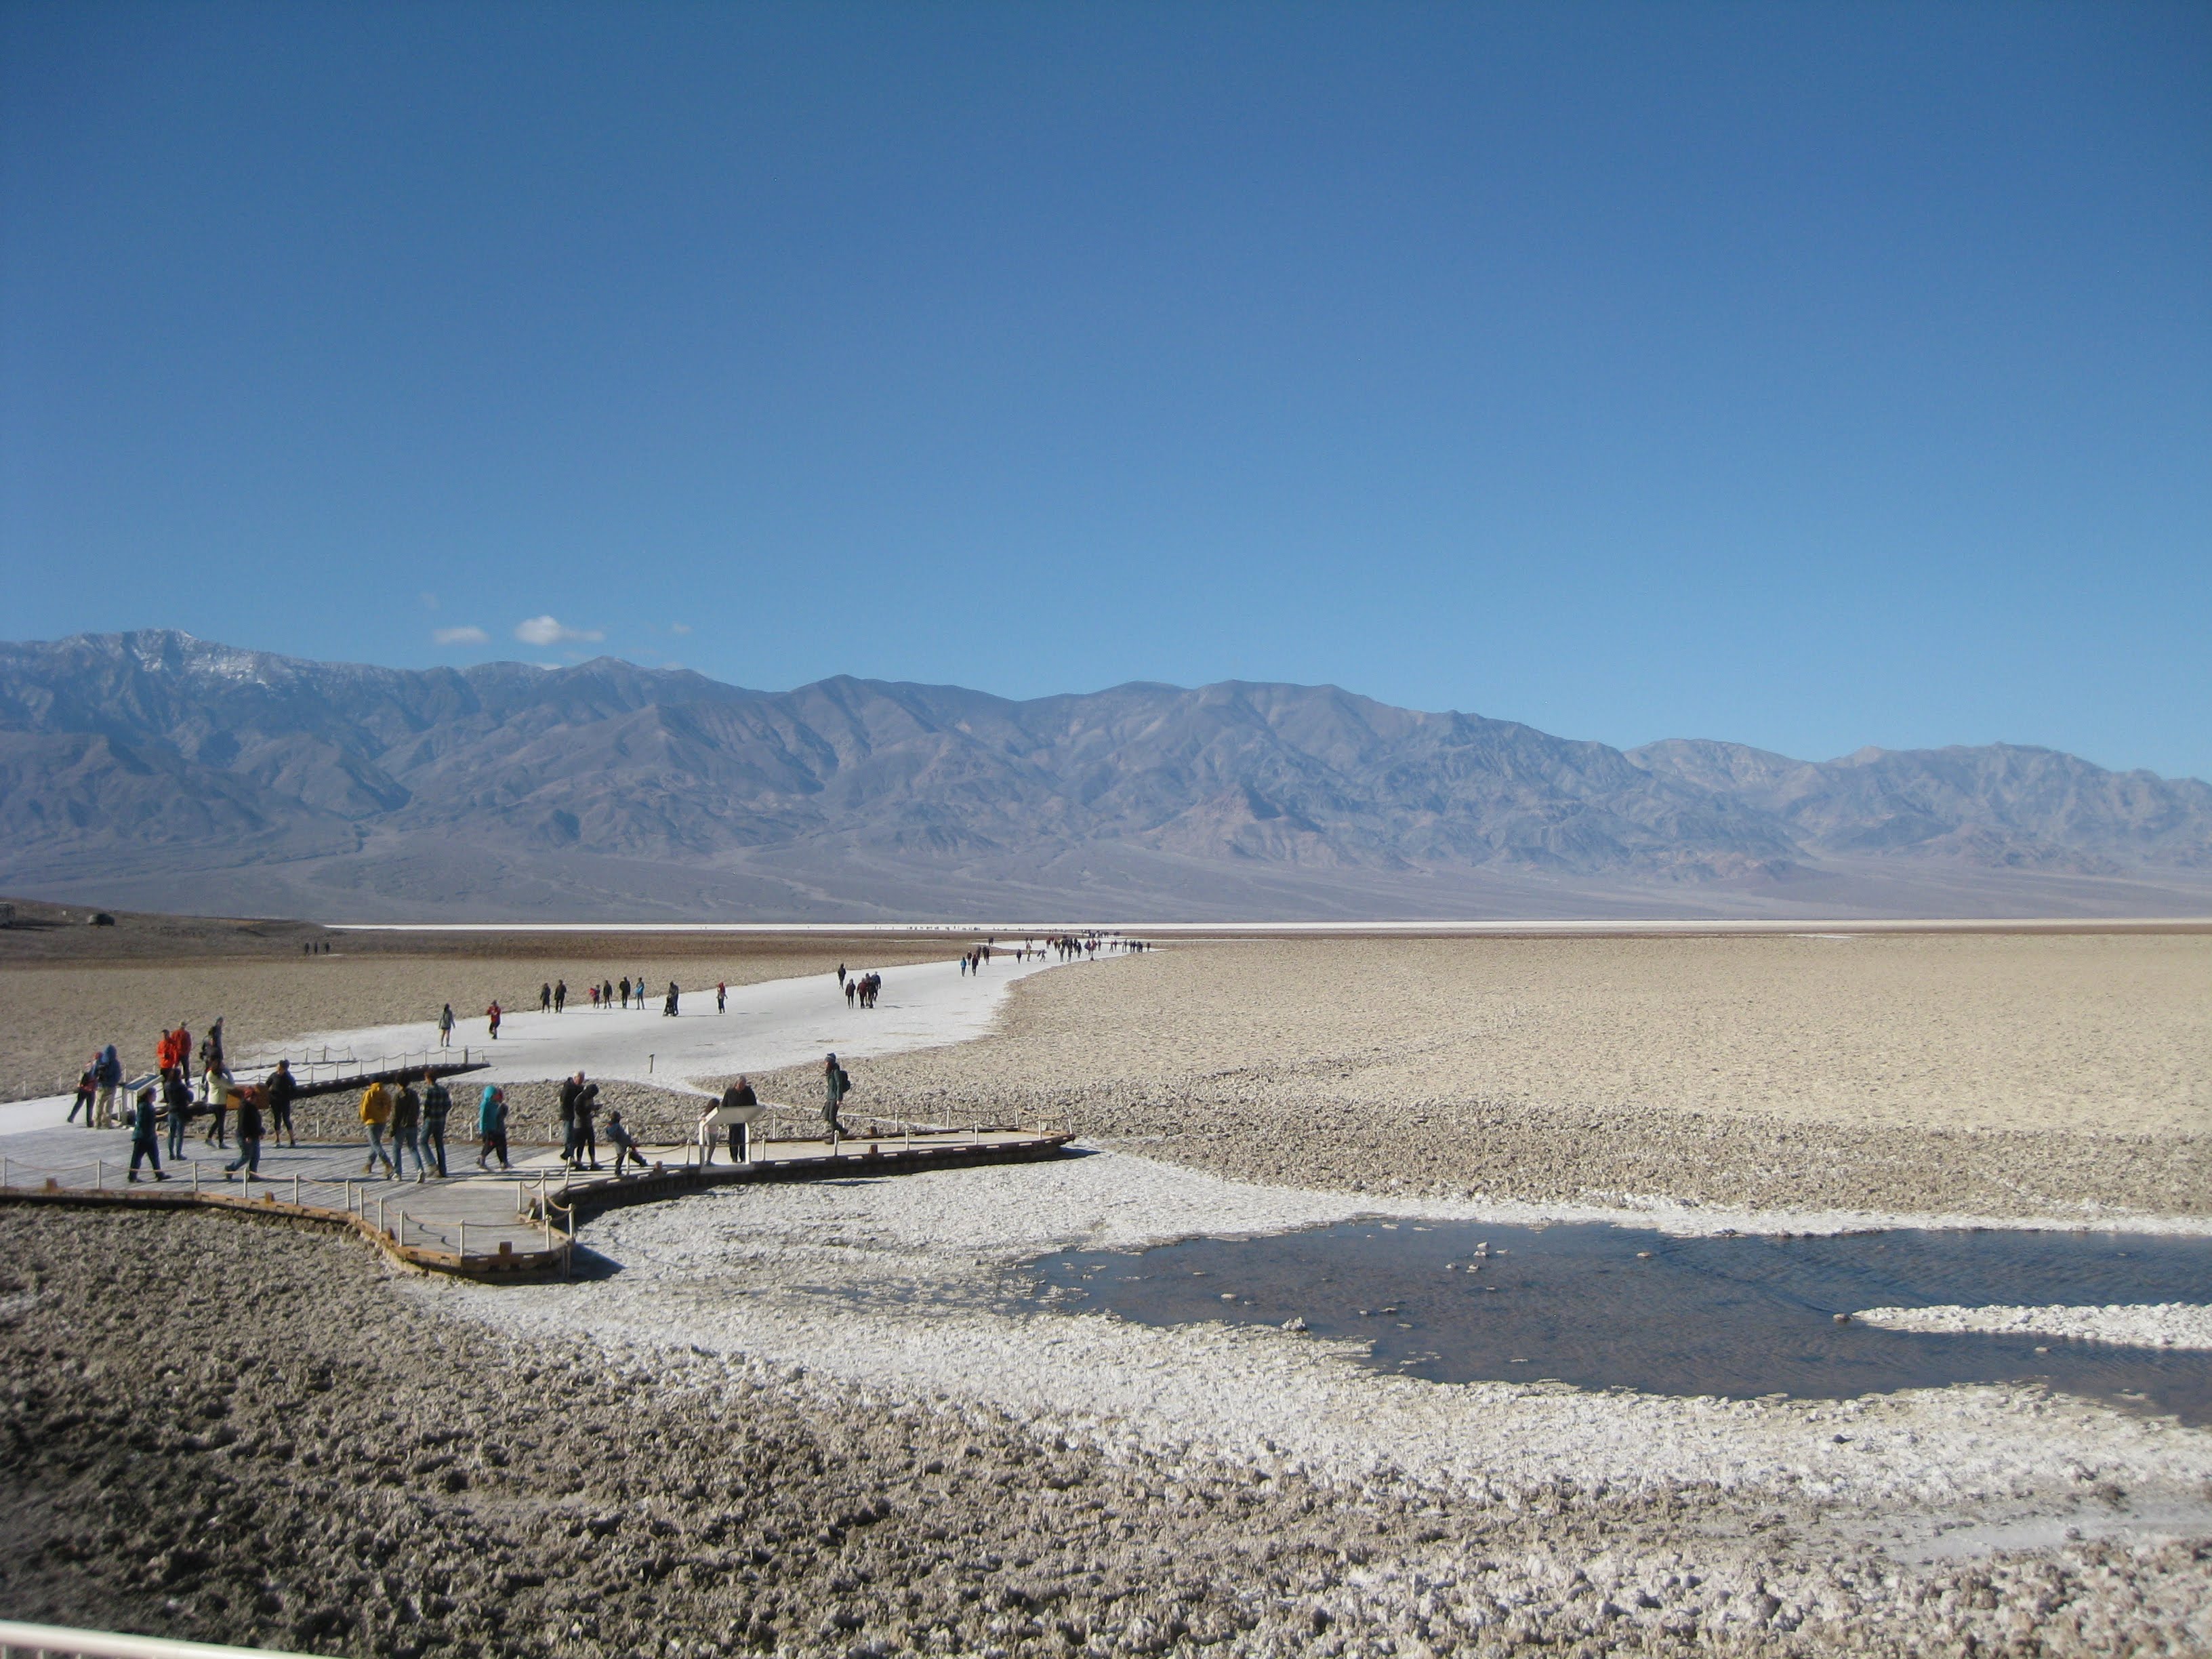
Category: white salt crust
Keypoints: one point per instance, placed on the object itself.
(893, 1287)
(2145, 1325)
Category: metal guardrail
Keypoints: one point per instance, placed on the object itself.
(20, 1639)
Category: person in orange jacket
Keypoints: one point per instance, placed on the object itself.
(375, 1112)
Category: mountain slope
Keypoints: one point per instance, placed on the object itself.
(193, 774)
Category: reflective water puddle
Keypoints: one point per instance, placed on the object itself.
(1603, 1307)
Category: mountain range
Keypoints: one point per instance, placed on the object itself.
(161, 771)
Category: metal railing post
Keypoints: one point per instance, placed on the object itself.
(463, 1254)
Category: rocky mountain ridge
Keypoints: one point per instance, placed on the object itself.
(162, 769)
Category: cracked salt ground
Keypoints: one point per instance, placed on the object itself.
(909, 1287)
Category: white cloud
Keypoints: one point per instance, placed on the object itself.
(679, 627)
(460, 637)
(544, 631)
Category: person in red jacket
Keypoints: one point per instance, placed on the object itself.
(492, 1014)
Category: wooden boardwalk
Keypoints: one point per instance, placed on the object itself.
(490, 1225)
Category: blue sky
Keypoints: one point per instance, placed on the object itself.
(1806, 375)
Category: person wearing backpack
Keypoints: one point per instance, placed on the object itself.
(836, 1085)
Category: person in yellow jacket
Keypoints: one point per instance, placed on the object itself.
(376, 1112)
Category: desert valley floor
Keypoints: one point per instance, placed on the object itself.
(853, 1417)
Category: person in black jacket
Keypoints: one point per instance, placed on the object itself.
(739, 1093)
(249, 1137)
(570, 1088)
(436, 1104)
(587, 1140)
(177, 1102)
(142, 1144)
(279, 1092)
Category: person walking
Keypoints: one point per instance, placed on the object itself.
(278, 1092)
(668, 1008)
(544, 999)
(559, 996)
(840, 976)
(177, 1101)
(109, 1078)
(437, 1106)
(445, 1027)
(88, 1090)
(492, 1014)
(622, 986)
(738, 1096)
(249, 1138)
(722, 995)
(143, 1144)
(836, 1085)
(407, 1131)
(618, 1137)
(376, 1113)
(491, 1126)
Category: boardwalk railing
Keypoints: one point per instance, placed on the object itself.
(437, 1242)
(19, 1641)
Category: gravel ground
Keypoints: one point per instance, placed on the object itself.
(346, 1472)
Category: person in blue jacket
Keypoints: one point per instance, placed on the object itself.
(491, 1126)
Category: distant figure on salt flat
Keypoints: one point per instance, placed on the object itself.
(836, 1085)
(623, 987)
(544, 999)
(840, 976)
(559, 996)
(851, 990)
(722, 995)
(445, 1027)
(492, 1014)
(668, 1008)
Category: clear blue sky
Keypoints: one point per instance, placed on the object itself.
(1807, 375)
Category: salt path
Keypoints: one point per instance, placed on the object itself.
(773, 1024)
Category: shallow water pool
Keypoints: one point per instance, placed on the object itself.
(1601, 1306)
